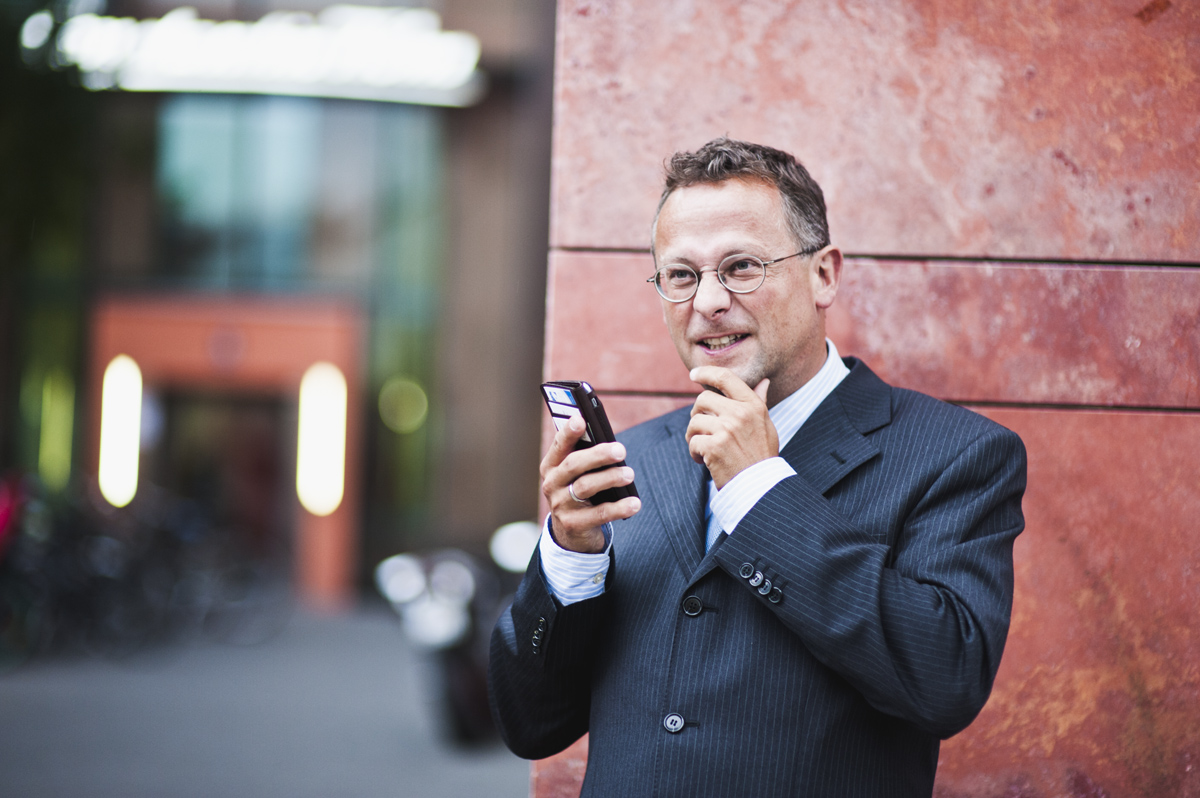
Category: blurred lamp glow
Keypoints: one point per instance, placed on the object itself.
(321, 439)
(36, 30)
(346, 51)
(432, 622)
(120, 430)
(58, 422)
(403, 405)
(400, 578)
(512, 545)
(452, 581)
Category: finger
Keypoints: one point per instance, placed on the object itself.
(705, 403)
(702, 424)
(588, 485)
(616, 511)
(698, 446)
(578, 518)
(591, 459)
(723, 379)
(762, 388)
(563, 443)
(714, 404)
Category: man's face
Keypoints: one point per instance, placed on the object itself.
(777, 331)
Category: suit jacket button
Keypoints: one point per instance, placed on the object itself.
(747, 570)
(757, 579)
(765, 587)
(673, 723)
(776, 596)
(692, 606)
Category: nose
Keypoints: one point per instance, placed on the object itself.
(711, 297)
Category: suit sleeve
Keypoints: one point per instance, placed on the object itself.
(917, 625)
(539, 667)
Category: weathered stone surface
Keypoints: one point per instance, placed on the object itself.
(560, 776)
(965, 331)
(1028, 129)
(976, 141)
(1100, 681)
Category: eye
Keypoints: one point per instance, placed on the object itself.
(678, 275)
(741, 268)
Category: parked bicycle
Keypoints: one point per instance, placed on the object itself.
(77, 575)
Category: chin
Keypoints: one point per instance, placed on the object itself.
(747, 373)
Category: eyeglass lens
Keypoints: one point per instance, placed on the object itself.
(741, 274)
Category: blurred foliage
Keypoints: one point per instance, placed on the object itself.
(47, 126)
(46, 123)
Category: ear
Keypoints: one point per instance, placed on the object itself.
(826, 276)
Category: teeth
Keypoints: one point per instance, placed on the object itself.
(717, 343)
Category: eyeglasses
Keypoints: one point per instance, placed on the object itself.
(741, 274)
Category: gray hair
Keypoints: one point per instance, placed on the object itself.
(726, 159)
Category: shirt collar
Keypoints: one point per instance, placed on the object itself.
(791, 413)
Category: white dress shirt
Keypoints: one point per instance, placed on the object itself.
(574, 576)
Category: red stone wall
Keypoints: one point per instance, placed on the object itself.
(1017, 185)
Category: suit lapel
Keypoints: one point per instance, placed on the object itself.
(680, 489)
(830, 445)
(828, 448)
(833, 441)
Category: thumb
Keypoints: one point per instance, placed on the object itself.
(761, 389)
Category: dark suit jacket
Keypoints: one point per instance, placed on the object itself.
(889, 558)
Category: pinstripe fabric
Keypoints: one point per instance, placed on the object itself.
(727, 507)
(892, 546)
(576, 576)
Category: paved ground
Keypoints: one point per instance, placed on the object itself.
(330, 707)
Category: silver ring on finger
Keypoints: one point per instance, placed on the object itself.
(571, 490)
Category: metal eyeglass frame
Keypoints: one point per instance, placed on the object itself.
(700, 273)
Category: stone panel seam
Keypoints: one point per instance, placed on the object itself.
(970, 404)
(916, 258)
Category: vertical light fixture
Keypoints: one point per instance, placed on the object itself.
(120, 430)
(57, 428)
(321, 439)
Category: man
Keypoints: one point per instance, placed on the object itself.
(815, 585)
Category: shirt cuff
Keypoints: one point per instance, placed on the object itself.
(573, 575)
(741, 493)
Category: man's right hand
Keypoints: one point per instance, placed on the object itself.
(576, 525)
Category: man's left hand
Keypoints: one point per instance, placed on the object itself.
(730, 433)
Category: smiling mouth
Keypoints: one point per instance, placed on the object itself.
(713, 344)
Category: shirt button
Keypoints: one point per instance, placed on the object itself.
(747, 570)
(673, 723)
(597, 579)
(692, 606)
(765, 587)
(757, 579)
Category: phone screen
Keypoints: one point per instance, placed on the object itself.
(565, 399)
(562, 404)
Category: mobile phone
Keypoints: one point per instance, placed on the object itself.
(567, 398)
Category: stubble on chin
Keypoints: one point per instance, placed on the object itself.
(750, 372)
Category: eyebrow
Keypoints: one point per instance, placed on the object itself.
(728, 254)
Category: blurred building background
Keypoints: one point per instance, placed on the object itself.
(234, 240)
(1014, 185)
